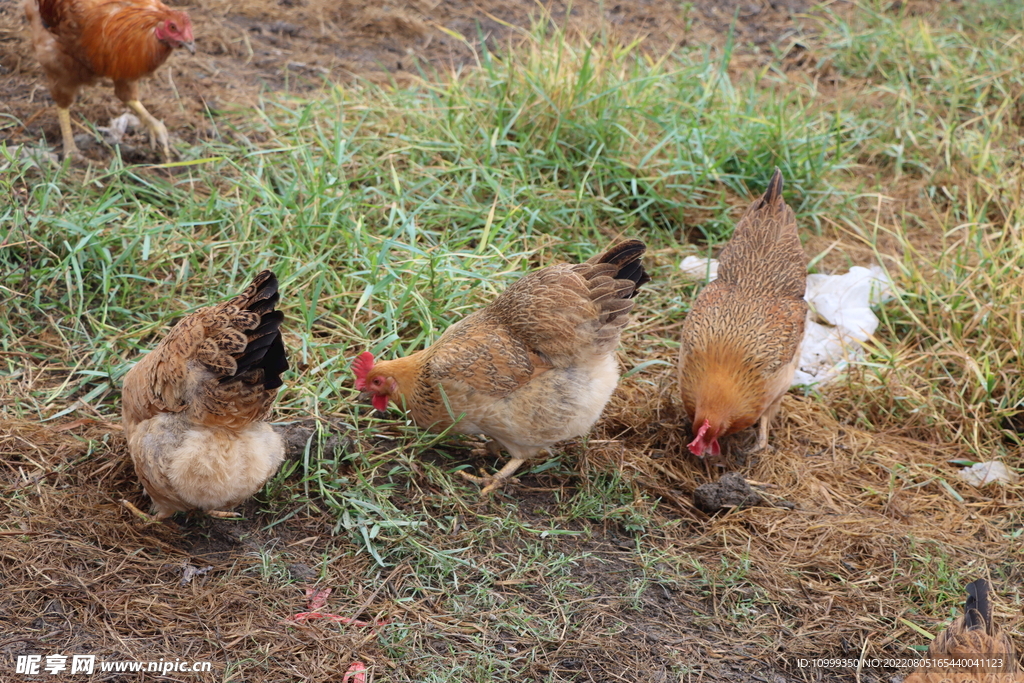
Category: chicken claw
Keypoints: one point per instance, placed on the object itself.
(489, 448)
(156, 127)
(148, 519)
(220, 514)
(490, 482)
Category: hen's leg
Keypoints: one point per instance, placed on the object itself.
(220, 514)
(70, 149)
(148, 519)
(157, 130)
(492, 482)
(765, 423)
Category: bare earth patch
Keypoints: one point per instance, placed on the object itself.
(245, 49)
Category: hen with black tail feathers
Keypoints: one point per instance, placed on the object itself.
(194, 408)
(534, 367)
(972, 649)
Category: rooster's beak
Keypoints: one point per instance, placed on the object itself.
(190, 46)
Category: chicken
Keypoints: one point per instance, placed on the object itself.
(194, 407)
(535, 367)
(984, 653)
(78, 42)
(740, 343)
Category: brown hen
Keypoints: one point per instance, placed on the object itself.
(194, 407)
(535, 367)
(972, 649)
(740, 342)
(77, 42)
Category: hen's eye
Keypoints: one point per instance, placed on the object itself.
(174, 27)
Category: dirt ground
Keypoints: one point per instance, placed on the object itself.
(246, 48)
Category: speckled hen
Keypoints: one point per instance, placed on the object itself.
(740, 343)
(535, 367)
(194, 408)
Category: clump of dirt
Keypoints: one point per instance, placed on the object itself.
(730, 491)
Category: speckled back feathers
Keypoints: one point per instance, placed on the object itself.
(222, 364)
(764, 256)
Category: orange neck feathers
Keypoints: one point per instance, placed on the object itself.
(728, 401)
(123, 45)
(405, 372)
(387, 379)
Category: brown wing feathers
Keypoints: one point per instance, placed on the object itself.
(238, 342)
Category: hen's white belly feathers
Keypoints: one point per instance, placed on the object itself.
(559, 404)
(188, 466)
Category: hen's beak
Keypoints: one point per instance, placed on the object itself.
(190, 46)
(364, 396)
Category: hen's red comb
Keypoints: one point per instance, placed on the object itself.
(361, 366)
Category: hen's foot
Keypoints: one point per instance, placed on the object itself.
(488, 448)
(490, 482)
(148, 519)
(220, 514)
(157, 130)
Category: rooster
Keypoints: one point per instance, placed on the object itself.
(984, 653)
(78, 42)
(535, 367)
(740, 343)
(194, 408)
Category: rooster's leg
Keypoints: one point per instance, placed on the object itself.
(765, 423)
(70, 149)
(157, 130)
(493, 481)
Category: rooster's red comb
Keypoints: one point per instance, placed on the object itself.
(361, 366)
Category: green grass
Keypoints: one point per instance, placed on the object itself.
(943, 99)
(388, 214)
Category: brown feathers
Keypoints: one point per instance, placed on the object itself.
(200, 397)
(113, 38)
(78, 42)
(764, 256)
(222, 364)
(972, 649)
(740, 342)
(534, 367)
